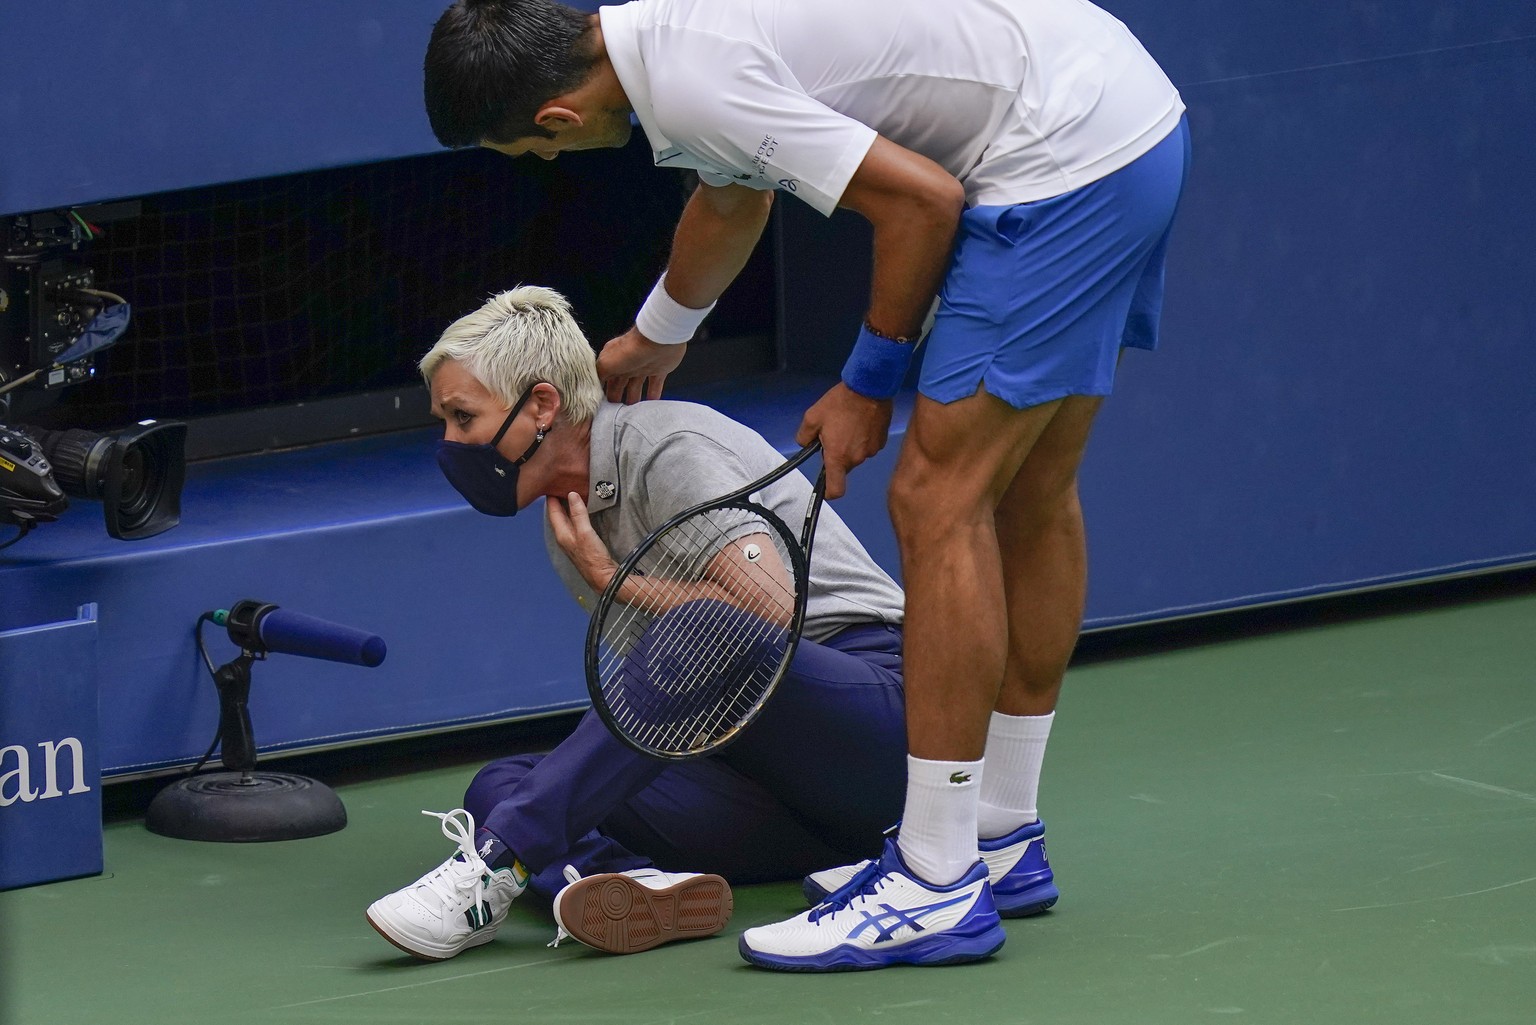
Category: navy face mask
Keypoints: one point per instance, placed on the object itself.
(481, 474)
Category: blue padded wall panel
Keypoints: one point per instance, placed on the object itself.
(103, 99)
(1203, 41)
(50, 777)
(1343, 394)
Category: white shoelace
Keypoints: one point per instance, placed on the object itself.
(453, 876)
(571, 876)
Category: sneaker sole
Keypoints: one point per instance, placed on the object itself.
(616, 914)
(382, 927)
(931, 952)
(1033, 900)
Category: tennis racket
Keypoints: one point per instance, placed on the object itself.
(698, 626)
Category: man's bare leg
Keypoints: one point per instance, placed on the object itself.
(1045, 561)
(956, 464)
(1044, 557)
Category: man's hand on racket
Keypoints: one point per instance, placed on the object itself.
(851, 428)
(573, 532)
(632, 367)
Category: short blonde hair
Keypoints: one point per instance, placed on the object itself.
(518, 339)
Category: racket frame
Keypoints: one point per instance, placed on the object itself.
(800, 559)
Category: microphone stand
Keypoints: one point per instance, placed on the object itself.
(237, 740)
(241, 805)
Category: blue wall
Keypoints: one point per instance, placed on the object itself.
(1343, 394)
(103, 99)
(112, 98)
(1344, 397)
(50, 792)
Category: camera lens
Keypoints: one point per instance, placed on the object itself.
(137, 474)
(141, 490)
(78, 459)
(137, 494)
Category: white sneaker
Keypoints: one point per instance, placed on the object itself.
(884, 916)
(627, 912)
(818, 886)
(459, 904)
(1017, 868)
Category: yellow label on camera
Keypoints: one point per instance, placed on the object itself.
(8, 467)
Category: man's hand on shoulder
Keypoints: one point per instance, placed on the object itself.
(632, 367)
(851, 428)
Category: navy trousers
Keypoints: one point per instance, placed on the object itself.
(813, 782)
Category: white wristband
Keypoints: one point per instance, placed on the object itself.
(665, 320)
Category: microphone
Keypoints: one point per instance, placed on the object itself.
(262, 627)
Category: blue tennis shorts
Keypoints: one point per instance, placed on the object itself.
(1041, 297)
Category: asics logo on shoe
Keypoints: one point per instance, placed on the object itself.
(885, 923)
(959, 777)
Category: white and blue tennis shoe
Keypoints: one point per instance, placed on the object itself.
(1017, 868)
(884, 916)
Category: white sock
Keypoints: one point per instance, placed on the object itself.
(938, 828)
(1015, 750)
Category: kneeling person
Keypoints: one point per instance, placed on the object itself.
(633, 850)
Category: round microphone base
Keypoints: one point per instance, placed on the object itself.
(245, 807)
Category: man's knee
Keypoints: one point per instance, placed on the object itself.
(921, 504)
(932, 498)
(494, 783)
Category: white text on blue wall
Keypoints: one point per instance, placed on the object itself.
(17, 765)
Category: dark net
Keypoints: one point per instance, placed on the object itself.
(331, 282)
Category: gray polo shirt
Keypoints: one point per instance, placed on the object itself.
(652, 460)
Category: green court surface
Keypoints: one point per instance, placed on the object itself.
(1330, 822)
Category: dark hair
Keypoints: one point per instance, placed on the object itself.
(492, 64)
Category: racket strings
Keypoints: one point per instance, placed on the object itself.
(672, 575)
(694, 656)
(705, 638)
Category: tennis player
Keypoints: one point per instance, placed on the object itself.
(812, 782)
(1020, 159)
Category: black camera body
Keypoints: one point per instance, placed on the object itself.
(50, 328)
(44, 304)
(28, 492)
(136, 474)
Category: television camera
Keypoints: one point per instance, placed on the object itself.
(54, 320)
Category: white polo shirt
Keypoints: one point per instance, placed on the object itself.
(1018, 99)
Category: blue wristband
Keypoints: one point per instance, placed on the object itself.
(877, 366)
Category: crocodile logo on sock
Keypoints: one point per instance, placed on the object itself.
(959, 777)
